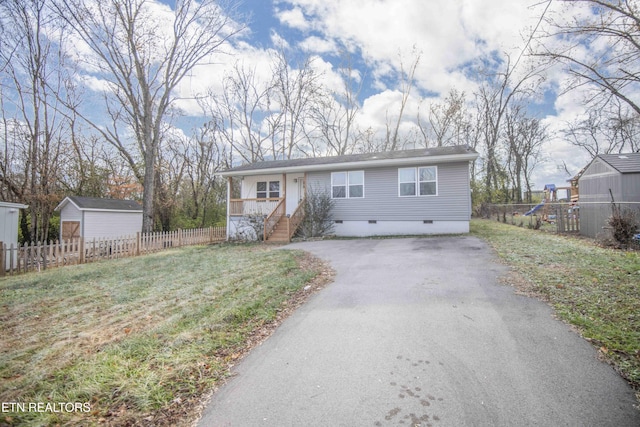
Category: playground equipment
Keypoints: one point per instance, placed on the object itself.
(551, 196)
(534, 209)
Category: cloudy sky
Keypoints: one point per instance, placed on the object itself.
(452, 37)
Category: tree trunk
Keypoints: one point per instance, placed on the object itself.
(148, 192)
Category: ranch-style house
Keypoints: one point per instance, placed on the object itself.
(408, 192)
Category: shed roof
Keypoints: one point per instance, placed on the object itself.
(436, 154)
(13, 205)
(623, 163)
(98, 204)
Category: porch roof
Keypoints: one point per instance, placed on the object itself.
(457, 153)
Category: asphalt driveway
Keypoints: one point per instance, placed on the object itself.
(419, 331)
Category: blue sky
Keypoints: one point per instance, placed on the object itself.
(453, 37)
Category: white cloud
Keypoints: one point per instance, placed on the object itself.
(210, 76)
(382, 110)
(293, 18)
(448, 34)
(330, 79)
(316, 44)
(279, 41)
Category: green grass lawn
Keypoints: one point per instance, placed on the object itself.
(593, 288)
(142, 340)
(139, 339)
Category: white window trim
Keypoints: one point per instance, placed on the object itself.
(268, 189)
(417, 182)
(346, 185)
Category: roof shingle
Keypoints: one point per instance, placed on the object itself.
(105, 204)
(623, 163)
(349, 158)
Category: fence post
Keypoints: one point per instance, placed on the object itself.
(81, 249)
(43, 254)
(13, 260)
(138, 242)
(179, 237)
(2, 259)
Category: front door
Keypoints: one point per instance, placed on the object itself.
(295, 191)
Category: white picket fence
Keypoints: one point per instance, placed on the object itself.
(40, 256)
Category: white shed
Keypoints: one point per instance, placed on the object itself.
(94, 218)
(9, 213)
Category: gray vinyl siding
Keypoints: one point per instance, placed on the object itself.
(382, 202)
(70, 213)
(99, 224)
(595, 199)
(631, 187)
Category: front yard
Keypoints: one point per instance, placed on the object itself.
(139, 341)
(595, 289)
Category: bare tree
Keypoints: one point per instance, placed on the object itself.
(296, 91)
(202, 156)
(243, 114)
(407, 80)
(586, 133)
(524, 138)
(624, 124)
(84, 168)
(447, 120)
(492, 100)
(141, 55)
(260, 119)
(335, 114)
(170, 170)
(33, 127)
(598, 42)
(612, 129)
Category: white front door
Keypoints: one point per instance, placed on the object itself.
(295, 191)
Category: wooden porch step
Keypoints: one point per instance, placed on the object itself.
(278, 238)
(280, 233)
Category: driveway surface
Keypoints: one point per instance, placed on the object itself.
(418, 331)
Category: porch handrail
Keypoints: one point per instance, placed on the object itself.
(296, 218)
(273, 218)
(247, 206)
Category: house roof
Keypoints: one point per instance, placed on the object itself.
(455, 153)
(97, 204)
(623, 163)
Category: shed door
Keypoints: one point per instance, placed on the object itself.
(70, 230)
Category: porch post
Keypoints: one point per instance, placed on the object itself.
(304, 186)
(284, 188)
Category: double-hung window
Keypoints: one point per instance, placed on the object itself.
(421, 181)
(270, 189)
(347, 185)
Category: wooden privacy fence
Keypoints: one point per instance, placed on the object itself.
(40, 256)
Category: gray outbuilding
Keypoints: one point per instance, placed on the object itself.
(9, 213)
(95, 218)
(608, 175)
